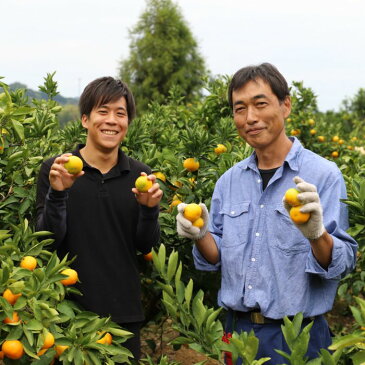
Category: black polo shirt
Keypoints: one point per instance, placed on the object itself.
(99, 220)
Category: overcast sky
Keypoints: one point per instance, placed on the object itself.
(320, 42)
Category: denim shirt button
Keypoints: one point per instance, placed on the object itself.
(250, 286)
(262, 205)
(257, 234)
(253, 259)
(232, 212)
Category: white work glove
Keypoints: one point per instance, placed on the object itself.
(186, 229)
(309, 198)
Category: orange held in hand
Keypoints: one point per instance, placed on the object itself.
(72, 277)
(192, 212)
(199, 223)
(291, 197)
(142, 184)
(297, 216)
(28, 262)
(74, 165)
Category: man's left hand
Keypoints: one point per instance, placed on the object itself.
(153, 196)
(311, 204)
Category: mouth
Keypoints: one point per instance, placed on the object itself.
(254, 131)
(109, 132)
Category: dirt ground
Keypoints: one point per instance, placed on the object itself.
(159, 336)
(339, 319)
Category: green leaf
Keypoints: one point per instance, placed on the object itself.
(172, 265)
(18, 128)
(189, 292)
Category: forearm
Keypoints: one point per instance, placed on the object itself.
(148, 229)
(322, 249)
(208, 248)
(52, 217)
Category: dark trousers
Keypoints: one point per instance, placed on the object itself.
(271, 337)
(133, 344)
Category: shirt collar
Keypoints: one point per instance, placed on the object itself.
(291, 158)
(122, 164)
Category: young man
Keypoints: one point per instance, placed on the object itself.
(271, 267)
(98, 215)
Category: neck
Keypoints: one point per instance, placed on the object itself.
(274, 155)
(102, 160)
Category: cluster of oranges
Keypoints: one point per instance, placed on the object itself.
(193, 213)
(291, 197)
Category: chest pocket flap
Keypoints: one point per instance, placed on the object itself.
(235, 223)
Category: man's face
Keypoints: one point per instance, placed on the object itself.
(107, 125)
(259, 115)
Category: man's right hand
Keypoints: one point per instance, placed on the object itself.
(186, 229)
(59, 178)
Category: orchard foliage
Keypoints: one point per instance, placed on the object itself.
(162, 137)
(163, 54)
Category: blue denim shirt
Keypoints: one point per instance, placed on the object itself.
(265, 261)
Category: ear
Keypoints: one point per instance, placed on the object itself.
(286, 105)
(84, 120)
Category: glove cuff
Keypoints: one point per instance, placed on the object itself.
(313, 235)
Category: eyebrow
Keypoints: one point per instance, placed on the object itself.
(106, 107)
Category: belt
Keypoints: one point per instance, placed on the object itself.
(257, 318)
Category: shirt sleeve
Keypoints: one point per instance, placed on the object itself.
(148, 229)
(335, 216)
(216, 229)
(50, 207)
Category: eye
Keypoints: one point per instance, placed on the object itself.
(261, 104)
(102, 111)
(239, 109)
(121, 114)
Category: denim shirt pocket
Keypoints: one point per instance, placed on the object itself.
(235, 223)
(286, 236)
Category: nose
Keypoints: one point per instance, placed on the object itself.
(251, 115)
(111, 118)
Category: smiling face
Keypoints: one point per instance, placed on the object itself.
(107, 125)
(259, 115)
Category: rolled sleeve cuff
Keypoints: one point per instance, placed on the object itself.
(337, 267)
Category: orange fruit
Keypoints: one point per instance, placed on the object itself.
(148, 256)
(160, 175)
(354, 139)
(321, 138)
(10, 296)
(311, 122)
(48, 341)
(291, 197)
(42, 351)
(297, 216)
(174, 203)
(341, 141)
(28, 262)
(221, 148)
(335, 138)
(74, 165)
(106, 340)
(199, 223)
(142, 184)
(334, 154)
(60, 349)
(13, 349)
(72, 277)
(191, 164)
(192, 212)
(350, 147)
(1, 354)
(15, 318)
(312, 132)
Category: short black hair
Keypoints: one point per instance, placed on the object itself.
(103, 91)
(267, 72)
